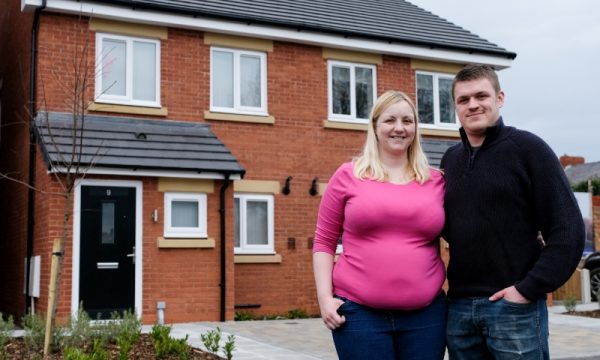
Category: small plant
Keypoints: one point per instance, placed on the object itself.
(81, 331)
(164, 344)
(229, 347)
(211, 340)
(570, 303)
(6, 327)
(243, 316)
(34, 327)
(128, 333)
(297, 314)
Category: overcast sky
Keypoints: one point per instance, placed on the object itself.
(552, 89)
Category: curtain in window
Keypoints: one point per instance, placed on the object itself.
(113, 67)
(250, 80)
(340, 89)
(144, 71)
(222, 73)
(447, 113)
(257, 228)
(184, 214)
(364, 92)
(425, 98)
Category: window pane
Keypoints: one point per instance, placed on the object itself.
(250, 80)
(113, 67)
(236, 220)
(108, 223)
(425, 98)
(144, 71)
(184, 214)
(447, 113)
(364, 92)
(222, 77)
(340, 90)
(256, 223)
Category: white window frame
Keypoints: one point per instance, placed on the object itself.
(127, 99)
(244, 248)
(186, 232)
(437, 124)
(237, 107)
(352, 66)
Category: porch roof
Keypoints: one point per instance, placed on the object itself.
(134, 144)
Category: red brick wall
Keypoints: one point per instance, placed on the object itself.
(296, 145)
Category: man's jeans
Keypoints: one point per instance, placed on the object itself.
(481, 329)
(391, 334)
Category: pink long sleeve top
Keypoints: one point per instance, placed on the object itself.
(390, 257)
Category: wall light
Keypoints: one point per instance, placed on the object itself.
(314, 187)
(286, 187)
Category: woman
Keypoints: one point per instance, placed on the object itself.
(384, 299)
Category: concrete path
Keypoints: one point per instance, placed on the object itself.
(571, 337)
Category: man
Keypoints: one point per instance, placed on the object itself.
(503, 186)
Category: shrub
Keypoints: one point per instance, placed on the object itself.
(211, 340)
(229, 347)
(297, 314)
(35, 328)
(164, 344)
(6, 327)
(570, 303)
(243, 316)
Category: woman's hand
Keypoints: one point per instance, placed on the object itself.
(329, 314)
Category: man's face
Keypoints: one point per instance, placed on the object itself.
(477, 105)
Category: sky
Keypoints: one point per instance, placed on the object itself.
(553, 86)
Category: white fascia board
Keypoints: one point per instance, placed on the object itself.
(127, 14)
(150, 173)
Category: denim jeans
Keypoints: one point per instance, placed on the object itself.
(481, 329)
(391, 334)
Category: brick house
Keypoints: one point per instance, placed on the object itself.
(211, 130)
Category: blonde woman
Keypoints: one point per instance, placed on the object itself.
(383, 299)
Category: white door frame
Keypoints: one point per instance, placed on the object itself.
(77, 238)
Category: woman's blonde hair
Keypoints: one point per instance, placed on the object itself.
(368, 164)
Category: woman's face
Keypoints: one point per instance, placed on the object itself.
(395, 129)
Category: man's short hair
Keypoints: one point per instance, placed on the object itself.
(475, 72)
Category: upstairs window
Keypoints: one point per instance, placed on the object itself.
(352, 90)
(185, 215)
(238, 81)
(128, 70)
(254, 229)
(434, 100)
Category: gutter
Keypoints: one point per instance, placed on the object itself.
(32, 149)
(223, 243)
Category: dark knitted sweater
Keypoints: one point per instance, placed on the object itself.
(496, 201)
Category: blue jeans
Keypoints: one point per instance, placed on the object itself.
(481, 329)
(391, 334)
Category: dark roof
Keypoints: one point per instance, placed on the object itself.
(392, 20)
(435, 149)
(140, 144)
(583, 172)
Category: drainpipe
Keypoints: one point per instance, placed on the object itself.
(32, 148)
(223, 243)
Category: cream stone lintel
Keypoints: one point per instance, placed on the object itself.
(257, 259)
(127, 109)
(239, 42)
(440, 133)
(239, 118)
(331, 124)
(354, 56)
(186, 185)
(208, 243)
(125, 28)
(257, 186)
(435, 66)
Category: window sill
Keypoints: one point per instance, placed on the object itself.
(177, 243)
(333, 124)
(257, 259)
(453, 133)
(257, 119)
(128, 109)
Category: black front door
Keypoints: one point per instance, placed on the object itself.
(107, 242)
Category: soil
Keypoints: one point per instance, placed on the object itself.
(590, 313)
(143, 350)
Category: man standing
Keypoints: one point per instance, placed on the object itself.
(503, 186)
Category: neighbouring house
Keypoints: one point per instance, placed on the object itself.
(211, 129)
(578, 171)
